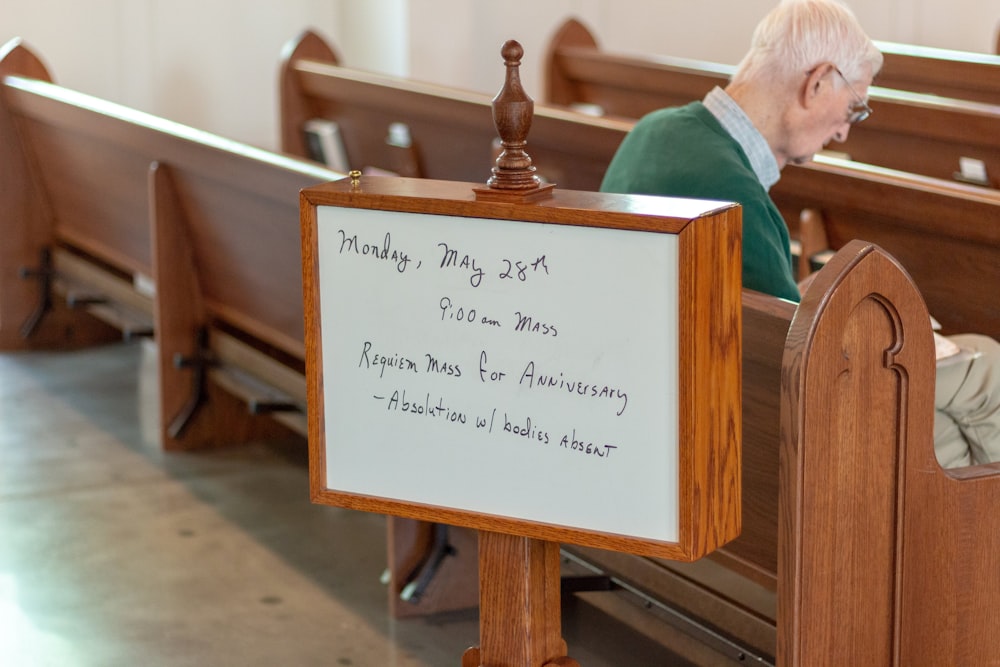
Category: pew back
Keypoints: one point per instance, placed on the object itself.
(922, 222)
(240, 214)
(228, 272)
(450, 141)
(962, 75)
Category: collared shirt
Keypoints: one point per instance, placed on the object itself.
(738, 124)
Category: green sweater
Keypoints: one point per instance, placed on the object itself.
(685, 152)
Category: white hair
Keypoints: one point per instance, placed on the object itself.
(798, 35)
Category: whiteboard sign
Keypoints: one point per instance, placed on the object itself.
(565, 369)
(501, 367)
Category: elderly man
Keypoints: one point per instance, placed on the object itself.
(803, 83)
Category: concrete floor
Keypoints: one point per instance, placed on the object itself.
(114, 553)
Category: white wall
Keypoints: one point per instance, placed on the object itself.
(213, 64)
(445, 51)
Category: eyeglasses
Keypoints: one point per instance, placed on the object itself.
(859, 109)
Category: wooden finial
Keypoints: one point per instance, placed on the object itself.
(514, 175)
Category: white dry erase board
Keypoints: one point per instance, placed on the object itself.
(506, 373)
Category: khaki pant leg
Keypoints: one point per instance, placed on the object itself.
(967, 405)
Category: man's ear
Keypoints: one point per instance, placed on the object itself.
(816, 79)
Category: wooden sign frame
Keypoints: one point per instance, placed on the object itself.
(709, 351)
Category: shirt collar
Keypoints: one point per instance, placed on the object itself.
(735, 121)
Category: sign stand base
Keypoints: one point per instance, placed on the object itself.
(520, 622)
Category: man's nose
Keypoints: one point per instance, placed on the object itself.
(840, 135)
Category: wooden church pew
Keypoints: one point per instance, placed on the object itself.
(902, 543)
(908, 131)
(73, 193)
(733, 590)
(86, 181)
(732, 597)
(750, 556)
